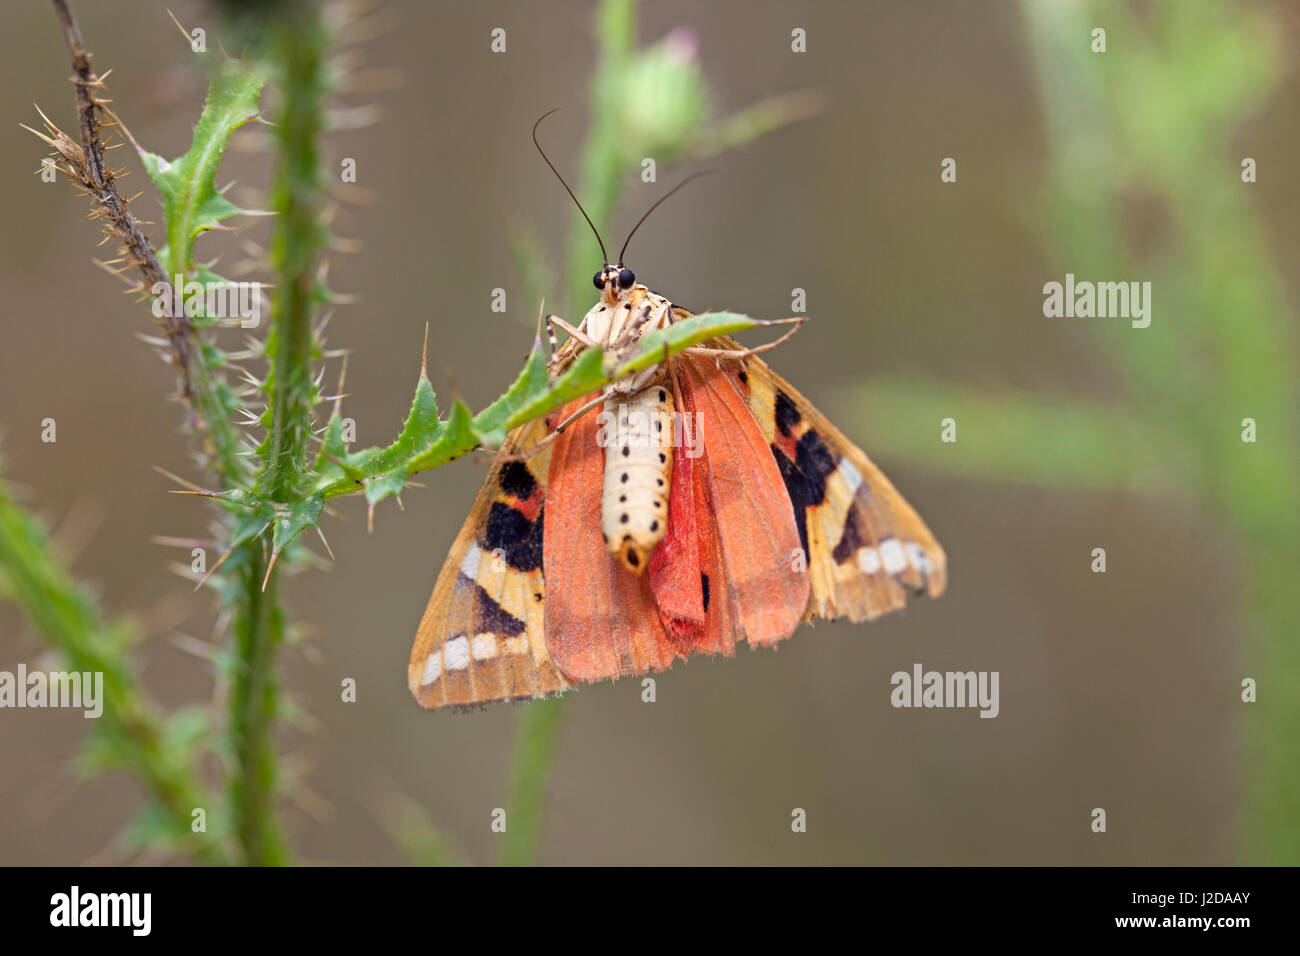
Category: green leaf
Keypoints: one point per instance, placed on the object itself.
(291, 522)
(454, 438)
(491, 422)
(427, 442)
(152, 827)
(191, 201)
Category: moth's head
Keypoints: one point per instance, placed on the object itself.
(614, 281)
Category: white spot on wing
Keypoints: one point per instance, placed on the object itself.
(918, 557)
(852, 477)
(469, 566)
(484, 646)
(891, 553)
(432, 669)
(456, 652)
(868, 560)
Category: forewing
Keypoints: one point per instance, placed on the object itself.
(866, 547)
(482, 638)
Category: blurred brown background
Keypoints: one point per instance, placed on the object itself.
(1117, 690)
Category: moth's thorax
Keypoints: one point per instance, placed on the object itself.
(625, 316)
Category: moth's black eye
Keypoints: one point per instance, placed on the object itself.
(626, 278)
(598, 280)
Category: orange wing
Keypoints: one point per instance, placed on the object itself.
(866, 547)
(482, 638)
(747, 511)
(686, 569)
(601, 619)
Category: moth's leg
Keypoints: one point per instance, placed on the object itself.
(797, 321)
(604, 394)
(550, 335)
(632, 331)
(560, 359)
(545, 442)
(573, 333)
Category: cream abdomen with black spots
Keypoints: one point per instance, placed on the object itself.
(637, 434)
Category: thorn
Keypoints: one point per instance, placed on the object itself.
(219, 496)
(424, 353)
(343, 374)
(370, 519)
(45, 119)
(38, 134)
(269, 568)
(180, 542)
(220, 561)
(185, 33)
(326, 543)
(181, 481)
(192, 645)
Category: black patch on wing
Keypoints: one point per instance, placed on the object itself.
(805, 477)
(512, 533)
(515, 479)
(852, 538)
(787, 415)
(491, 617)
(704, 585)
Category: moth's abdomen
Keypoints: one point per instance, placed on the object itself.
(637, 432)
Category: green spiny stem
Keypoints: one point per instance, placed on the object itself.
(298, 49)
(254, 694)
(295, 197)
(132, 729)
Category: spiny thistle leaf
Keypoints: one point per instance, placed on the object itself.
(191, 201)
(491, 422)
(455, 437)
(427, 441)
(291, 521)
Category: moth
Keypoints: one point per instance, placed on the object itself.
(708, 504)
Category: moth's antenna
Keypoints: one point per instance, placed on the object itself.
(688, 179)
(604, 255)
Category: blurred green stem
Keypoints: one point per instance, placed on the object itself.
(599, 188)
(644, 103)
(1227, 349)
(535, 745)
(131, 728)
(603, 171)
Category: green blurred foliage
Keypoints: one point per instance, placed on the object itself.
(1147, 124)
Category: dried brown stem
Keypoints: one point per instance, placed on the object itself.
(88, 168)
